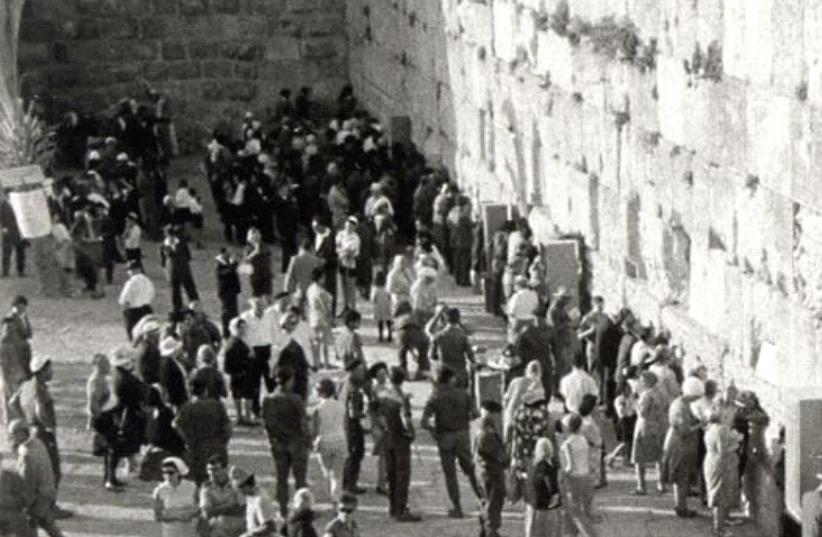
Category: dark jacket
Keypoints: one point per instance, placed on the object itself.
(451, 409)
(8, 222)
(160, 432)
(228, 280)
(236, 356)
(212, 379)
(284, 417)
(131, 422)
(173, 381)
(399, 431)
(328, 252)
(490, 454)
(147, 361)
(176, 260)
(542, 485)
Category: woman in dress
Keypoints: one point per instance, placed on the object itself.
(101, 407)
(680, 453)
(258, 258)
(720, 468)
(424, 295)
(399, 281)
(512, 400)
(649, 434)
(175, 501)
(531, 422)
(542, 514)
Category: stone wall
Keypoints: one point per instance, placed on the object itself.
(681, 138)
(215, 58)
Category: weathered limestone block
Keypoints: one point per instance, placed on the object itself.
(174, 50)
(554, 58)
(769, 139)
(710, 22)
(282, 49)
(505, 23)
(644, 106)
(759, 51)
(807, 188)
(788, 18)
(812, 43)
(646, 15)
(672, 88)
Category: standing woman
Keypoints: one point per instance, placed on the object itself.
(258, 257)
(649, 433)
(102, 419)
(542, 514)
(720, 468)
(680, 453)
(175, 501)
(128, 390)
(399, 281)
(531, 422)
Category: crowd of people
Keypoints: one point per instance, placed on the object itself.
(341, 205)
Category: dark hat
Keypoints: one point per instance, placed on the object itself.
(133, 264)
(20, 300)
(491, 406)
(374, 369)
(397, 374)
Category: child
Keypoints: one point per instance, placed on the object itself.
(492, 460)
(195, 206)
(344, 525)
(592, 433)
(542, 517)
(319, 304)
(625, 408)
(576, 464)
(349, 343)
(381, 299)
(301, 521)
(329, 435)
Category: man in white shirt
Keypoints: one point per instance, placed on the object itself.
(521, 307)
(576, 384)
(259, 336)
(348, 250)
(137, 295)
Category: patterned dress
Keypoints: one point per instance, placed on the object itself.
(531, 422)
(651, 424)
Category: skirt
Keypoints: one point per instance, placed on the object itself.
(647, 448)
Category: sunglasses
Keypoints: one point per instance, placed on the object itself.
(348, 510)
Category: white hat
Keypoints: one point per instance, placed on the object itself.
(178, 464)
(263, 159)
(94, 155)
(170, 346)
(122, 157)
(693, 387)
(111, 140)
(39, 362)
(353, 220)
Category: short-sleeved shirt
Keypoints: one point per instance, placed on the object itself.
(179, 497)
(338, 528)
(259, 510)
(451, 347)
(451, 408)
(575, 386)
(212, 494)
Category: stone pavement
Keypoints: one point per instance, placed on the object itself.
(71, 330)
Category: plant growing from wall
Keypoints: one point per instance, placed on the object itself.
(560, 18)
(705, 65)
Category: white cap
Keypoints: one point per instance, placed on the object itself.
(39, 362)
(170, 346)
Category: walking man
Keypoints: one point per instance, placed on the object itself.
(228, 288)
(258, 335)
(285, 422)
(451, 410)
(175, 257)
(355, 393)
(13, 242)
(137, 296)
(36, 470)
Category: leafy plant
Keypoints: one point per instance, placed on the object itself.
(560, 18)
(24, 139)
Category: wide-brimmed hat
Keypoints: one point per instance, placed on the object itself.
(178, 464)
(170, 346)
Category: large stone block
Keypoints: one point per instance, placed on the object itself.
(174, 50)
(505, 24)
(218, 69)
(555, 59)
(769, 139)
(812, 44)
(120, 28)
(242, 51)
(759, 41)
(710, 21)
(672, 90)
(646, 15)
(38, 30)
(282, 49)
(203, 50)
(112, 7)
(788, 45)
(193, 7)
(318, 48)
